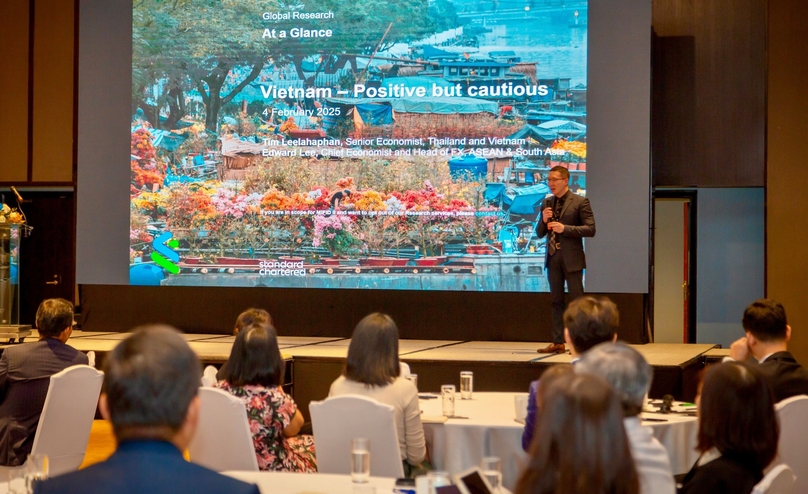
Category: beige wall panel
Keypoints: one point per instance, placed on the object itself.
(787, 167)
(53, 91)
(14, 91)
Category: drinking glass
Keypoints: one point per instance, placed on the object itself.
(16, 481)
(466, 385)
(414, 379)
(360, 460)
(438, 479)
(491, 467)
(447, 391)
(36, 470)
(520, 401)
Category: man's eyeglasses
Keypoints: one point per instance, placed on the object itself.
(555, 179)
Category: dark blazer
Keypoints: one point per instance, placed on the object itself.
(785, 375)
(579, 221)
(148, 466)
(25, 372)
(722, 475)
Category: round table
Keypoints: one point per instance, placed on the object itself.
(490, 429)
(295, 483)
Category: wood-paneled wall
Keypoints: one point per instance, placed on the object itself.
(14, 91)
(709, 97)
(37, 42)
(787, 166)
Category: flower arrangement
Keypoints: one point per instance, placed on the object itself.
(146, 170)
(283, 206)
(578, 148)
(10, 215)
(335, 233)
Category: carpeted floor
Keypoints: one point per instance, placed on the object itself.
(101, 444)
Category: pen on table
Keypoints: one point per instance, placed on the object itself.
(654, 420)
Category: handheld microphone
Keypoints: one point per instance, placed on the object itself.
(16, 194)
(26, 231)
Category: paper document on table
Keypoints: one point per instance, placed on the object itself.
(434, 419)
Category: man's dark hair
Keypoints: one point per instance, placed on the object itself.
(560, 169)
(53, 316)
(736, 415)
(766, 320)
(591, 321)
(255, 358)
(373, 353)
(251, 316)
(150, 379)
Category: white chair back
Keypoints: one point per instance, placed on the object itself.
(337, 420)
(209, 376)
(779, 480)
(793, 447)
(67, 418)
(223, 440)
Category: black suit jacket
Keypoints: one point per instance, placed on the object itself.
(722, 475)
(579, 222)
(138, 467)
(785, 375)
(25, 373)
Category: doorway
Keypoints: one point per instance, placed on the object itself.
(47, 255)
(674, 267)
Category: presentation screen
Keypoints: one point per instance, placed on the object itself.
(396, 144)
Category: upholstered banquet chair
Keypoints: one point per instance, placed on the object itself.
(779, 480)
(209, 376)
(793, 446)
(339, 419)
(67, 418)
(223, 440)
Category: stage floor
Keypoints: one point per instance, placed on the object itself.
(497, 365)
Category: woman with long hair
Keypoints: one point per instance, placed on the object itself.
(251, 316)
(581, 446)
(738, 431)
(254, 374)
(372, 369)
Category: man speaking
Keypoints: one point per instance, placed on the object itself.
(566, 219)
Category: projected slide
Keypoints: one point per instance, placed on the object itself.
(395, 144)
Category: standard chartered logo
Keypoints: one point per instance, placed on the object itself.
(164, 254)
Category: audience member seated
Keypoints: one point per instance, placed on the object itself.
(25, 372)
(150, 394)
(251, 316)
(767, 336)
(583, 446)
(588, 321)
(254, 374)
(372, 370)
(630, 376)
(738, 431)
(547, 379)
(248, 318)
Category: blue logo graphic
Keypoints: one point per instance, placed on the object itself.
(164, 254)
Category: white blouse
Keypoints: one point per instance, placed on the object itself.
(402, 395)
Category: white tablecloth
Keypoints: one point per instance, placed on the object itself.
(298, 483)
(491, 430)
